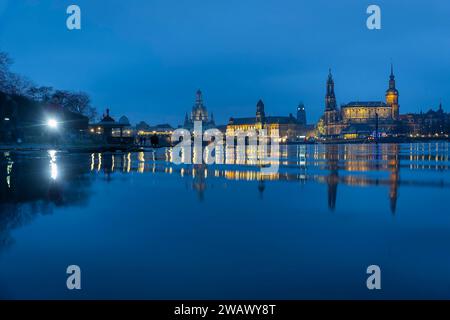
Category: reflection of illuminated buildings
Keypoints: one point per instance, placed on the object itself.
(9, 168)
(199, 173)
(53, 165)
(261, 187)
(363, 165)
(394, 164)
(332, 157)
(52, 179)
(33, 186)
(362, 158)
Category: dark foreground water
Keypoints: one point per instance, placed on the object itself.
(141, 227)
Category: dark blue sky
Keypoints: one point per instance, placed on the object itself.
(145, 59)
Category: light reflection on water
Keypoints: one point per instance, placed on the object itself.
(363, 185)
(354, 165)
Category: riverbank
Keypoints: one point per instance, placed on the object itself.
(384, 140)
(96, 148)
(70, 148)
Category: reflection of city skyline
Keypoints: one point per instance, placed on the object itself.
(318, 163)
(45, 180)
(34, 184)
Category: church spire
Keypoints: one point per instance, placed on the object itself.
(198, 98)
(392, 95)
(392, 79)
(330, 98)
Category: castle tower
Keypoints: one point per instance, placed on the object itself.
(392, 96)
(301, 114)
(260, 114)
(330, 98)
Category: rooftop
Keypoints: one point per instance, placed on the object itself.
(267, 119)
(365, 104)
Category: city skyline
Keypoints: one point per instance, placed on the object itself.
(224, 158)
(283, 59)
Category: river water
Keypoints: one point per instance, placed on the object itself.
(141, 227)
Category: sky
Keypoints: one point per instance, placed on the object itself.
(146, 58)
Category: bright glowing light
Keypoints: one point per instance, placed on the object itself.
(6, 119)
(52, 123)
(53, 165)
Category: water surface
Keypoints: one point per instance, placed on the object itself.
(142, 227)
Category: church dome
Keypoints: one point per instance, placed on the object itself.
(124, 120)
(199, 111)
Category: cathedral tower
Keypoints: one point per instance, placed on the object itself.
(330, 98)
(332, 114)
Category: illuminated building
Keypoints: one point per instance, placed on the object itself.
(160, 130)
(163, 132)
(199, 113)
(332, 115)
(430, 123)
(112, 131)
(361, 118)
(289, 128)
(392, 96)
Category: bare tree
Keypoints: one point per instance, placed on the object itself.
(14, 84)
(17, 84)
(40, 94)
(10, 82)
(5, 63)
(78, 102)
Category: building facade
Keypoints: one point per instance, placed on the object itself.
(332, 115)
(361, 118)
(110, 131)
(430, 123)
(289, 128)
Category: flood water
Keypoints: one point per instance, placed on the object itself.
(142, 227)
